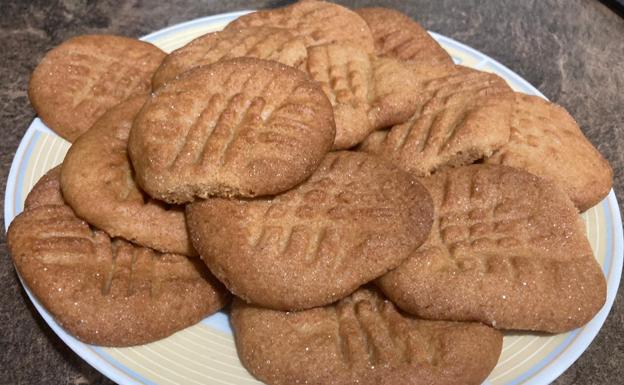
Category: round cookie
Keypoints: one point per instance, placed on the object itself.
(105, 291)
(317, 22)
(398, 36)
(278, 44)
(363, 339)
(76, 82)
(354, 219)
(98, 183)
(546, 141)
(242, 127)
(507, 248)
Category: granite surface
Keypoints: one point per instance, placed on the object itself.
(573, 51)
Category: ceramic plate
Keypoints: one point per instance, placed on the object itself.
(205, 353)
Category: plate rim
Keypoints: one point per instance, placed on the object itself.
(582, 338)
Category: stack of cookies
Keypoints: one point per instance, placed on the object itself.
(377, 212)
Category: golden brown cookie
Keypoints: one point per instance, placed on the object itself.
(317, 22)
(279, 44)
(354, 219)
(507, 248)
(398, 36)
(105, 291)
(98, 183)
(367, 92)
(240, 127)
(546, 141)
(461, 117)
(362, 339)
(76, 82)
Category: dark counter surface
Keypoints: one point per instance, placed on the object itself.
(573, 51)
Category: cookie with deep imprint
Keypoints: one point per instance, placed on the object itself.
(367, 92)
(98, 184)
(279, 44)
(507, 248)
(104, 290)
(354, 219)
(242, 127)
(462, 116)
(398, 36)
(546, 141)
(78, 81)
(361, 339)
(317, 22)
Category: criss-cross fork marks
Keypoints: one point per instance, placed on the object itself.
(344, 73)
(409, 44)
(308, 224)
(544, 128)
(116, 266)
(370, 332)
(263, 43)
(101, 81)
(436, 124)
(315, 22)
(480, 229)
(130, 269)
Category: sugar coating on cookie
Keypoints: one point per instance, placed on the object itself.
(507, 248)
(317, 22)
(398, 36)
(279, 44)
(79, 80)
(367, 93)
(462, 116)
(105, 291)
(361, 339)
(98, 183)
(354, 219)
(242, 127)
(546, 141)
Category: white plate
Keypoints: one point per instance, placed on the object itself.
(205, 353)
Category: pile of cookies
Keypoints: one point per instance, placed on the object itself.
(377, 212)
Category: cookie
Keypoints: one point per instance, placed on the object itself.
(507, 248)
(317, 22)
(354, 219)
(98, 183)
(279, 44)
(546, 141)
(103, 290)
(76, 82)
(398, 36)
(462, 116)
(362, 339)
(242, 127)
(367, 92)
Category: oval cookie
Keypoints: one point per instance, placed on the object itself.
(105, 291)
(461, 117)
(362, 339)
(546, 141)
(278, 44)
(98, 183)
(76, 82)
(242, 127)
(398, 36)
(354, 219)
(317, 22)
(507, 248)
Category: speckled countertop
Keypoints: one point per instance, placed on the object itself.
(573, 51)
